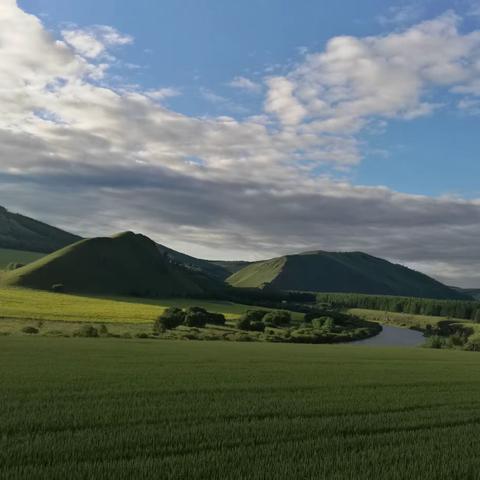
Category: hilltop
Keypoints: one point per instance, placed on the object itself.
(340, 272)
(125, 264)
(18, 232)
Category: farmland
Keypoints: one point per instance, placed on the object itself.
(113, 408)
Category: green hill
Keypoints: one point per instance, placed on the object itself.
(126, 264)
(353, 272)
(18, 232)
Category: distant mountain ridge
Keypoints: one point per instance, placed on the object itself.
(18, 232)
(472, 292)
(349, 272)
(318, 271)
(220, 269)
(126, 264)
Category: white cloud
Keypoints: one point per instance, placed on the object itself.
(282, 102)
(163, 93)
(470, 105)
(94, 41)
(69, 146)
(391, 76)
(244, 83)
(401, 14)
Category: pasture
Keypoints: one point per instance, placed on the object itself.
(112, 408)
(38, 305)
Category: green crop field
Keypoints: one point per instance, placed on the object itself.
(17, 256)
(113, 408)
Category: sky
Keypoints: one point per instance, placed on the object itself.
(245, 130)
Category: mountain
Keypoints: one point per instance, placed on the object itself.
(352, 272)
(18, 232)
(126, 264)
(219, 269)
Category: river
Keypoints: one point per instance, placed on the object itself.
(393, 337)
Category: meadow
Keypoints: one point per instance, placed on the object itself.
(38, 305)
(110, 408)
(59, 314)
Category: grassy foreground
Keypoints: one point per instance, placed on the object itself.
(112, 408)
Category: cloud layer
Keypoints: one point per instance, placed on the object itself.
(96, 159)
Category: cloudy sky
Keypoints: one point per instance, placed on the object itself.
(243, 130)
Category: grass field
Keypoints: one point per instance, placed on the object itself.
(112, 408)
(398, 319)
(17, 256)
(35, 305)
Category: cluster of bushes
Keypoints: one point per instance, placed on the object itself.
(257, 320)
(173, 317)
(333, 327)
(465, 309)
(89, 331)
(30, 330)
(453, 341)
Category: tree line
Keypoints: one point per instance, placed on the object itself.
(464, 309)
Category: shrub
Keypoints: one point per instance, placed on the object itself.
(171, 318)
(257, 327)
(86, 331)
(103, 330)
(195, 318)
(58, 288)
(473, 345)
(321, 323)
(277, 318)
(30, 330)
(216, 318)
(435, 341)
(196, 310)
(254, 315)
(141, 335)
(456, 340)
(243, 323)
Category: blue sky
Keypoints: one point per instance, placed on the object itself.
(200, 45)
(249, 129)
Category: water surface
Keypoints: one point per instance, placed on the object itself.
(393, 337)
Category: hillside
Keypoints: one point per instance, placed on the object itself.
(219, 269)
(18, 232)
(8, 257)
(354, 272)
(126, 264)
